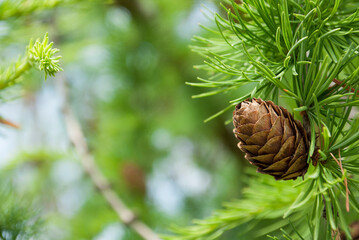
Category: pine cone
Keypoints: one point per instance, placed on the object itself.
(272, 140)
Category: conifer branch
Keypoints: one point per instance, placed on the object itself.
(43, 56)
(77, 138)
(9, 76)
(307, 52)
(40, 54)
(265, 199)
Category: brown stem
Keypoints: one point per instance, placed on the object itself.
(348, 88)
(77, 138)
(341, 83)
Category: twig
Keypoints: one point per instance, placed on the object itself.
(348, 88)
(346, 183)
(77, 138)
(345, 180)
(8, 123)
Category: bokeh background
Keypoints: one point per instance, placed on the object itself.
(126, 63)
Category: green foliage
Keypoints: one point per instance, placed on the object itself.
(307, 52)
(311, 44)
(39, 55)
(18, 8)
(263, 200)
(42, 54)
(18, 220)
(9, 76)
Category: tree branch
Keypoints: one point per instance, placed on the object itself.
(77, 138)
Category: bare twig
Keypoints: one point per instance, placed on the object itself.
(8, 123)
(77, 138)
(348, 88)
(345, 180)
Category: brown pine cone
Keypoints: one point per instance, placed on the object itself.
(272, 140)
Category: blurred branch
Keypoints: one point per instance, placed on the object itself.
(78, 140)
(17, 8)
(8, 123)
(21, 8)
(13, 72)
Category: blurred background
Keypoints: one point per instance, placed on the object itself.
(126, 63)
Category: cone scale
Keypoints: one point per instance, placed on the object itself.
(271, 138)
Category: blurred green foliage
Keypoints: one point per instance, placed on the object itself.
(18, 219)
(126, 63)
